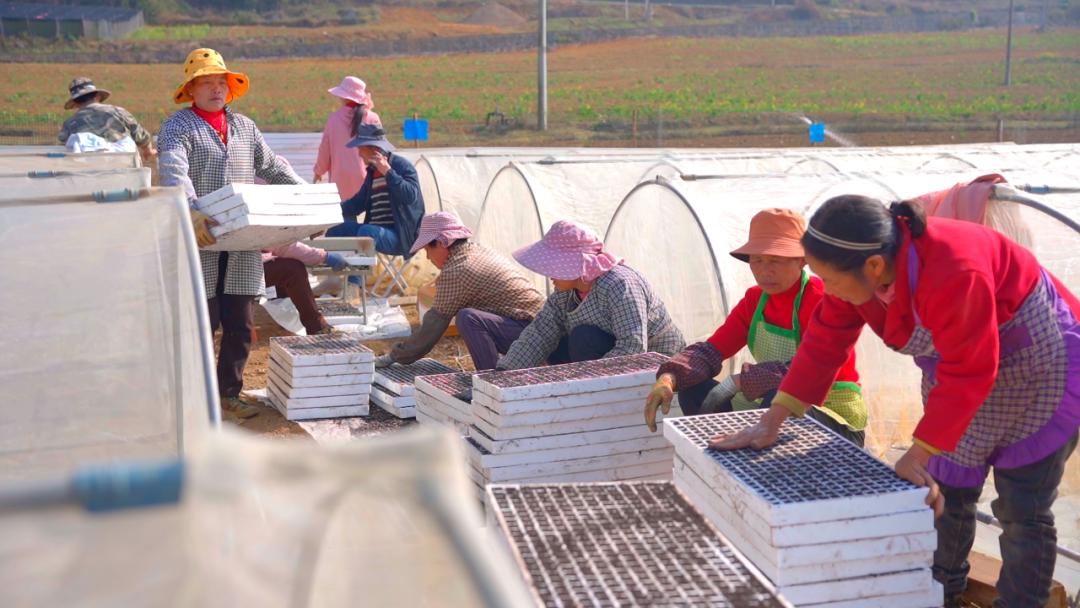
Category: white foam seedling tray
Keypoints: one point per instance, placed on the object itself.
(322, 350)
(399, 379)
(570, 378)
(593, 450)
(657, 469)
(809, 475)
(569, 440)
(315, 379)
(813, 533)
(541, 418)
(316, 412)
(461, 410)
(529, 406)
(556, 428)
(268, 195)
(435, 420)
(318, 402)
(562, 467)
(292, 392)
(934, 597)
(832, 589)
(870, 561)
(400, 407)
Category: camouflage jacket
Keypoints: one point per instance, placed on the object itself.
(111, 122)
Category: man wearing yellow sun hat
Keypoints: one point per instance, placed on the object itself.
(202, 148)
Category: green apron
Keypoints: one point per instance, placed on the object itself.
(768, 342)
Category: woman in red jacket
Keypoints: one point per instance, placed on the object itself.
(998, 341)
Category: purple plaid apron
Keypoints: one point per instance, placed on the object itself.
(1034, 406)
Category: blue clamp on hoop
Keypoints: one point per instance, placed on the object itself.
(55, 154)
(38, 174)
(128, 486)
(116, 196)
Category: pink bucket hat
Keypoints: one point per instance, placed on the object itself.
(353, 89)
(444, 227)
(567, 252)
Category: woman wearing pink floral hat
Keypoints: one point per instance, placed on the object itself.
(601, 307)
(345, 167)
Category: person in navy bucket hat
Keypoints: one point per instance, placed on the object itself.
(390, 198)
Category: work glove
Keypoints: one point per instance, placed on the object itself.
(663, 391)
(202, 223)
(336, 261)
(383, 361)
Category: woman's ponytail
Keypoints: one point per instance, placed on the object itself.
(911, 213)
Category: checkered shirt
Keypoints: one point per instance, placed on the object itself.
(621, 303)
(110, 122)
(193, 157)
(478, 277)
(1031, 379)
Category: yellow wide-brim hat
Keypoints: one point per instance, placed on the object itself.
(206, 62)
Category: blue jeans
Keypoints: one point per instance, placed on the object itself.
(386, 239)
(585, 343)
(1028, 538)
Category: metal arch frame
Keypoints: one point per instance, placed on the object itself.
(434, 178)
(202, 318)
(666, 183)
(951, 155)
(813, 158)
(517, 168)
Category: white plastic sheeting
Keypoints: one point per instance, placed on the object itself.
(107, 353)
(525, 199)
(273, 523)
(67, 161)
(27, 186)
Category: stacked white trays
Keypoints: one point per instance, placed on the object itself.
(445, 400)
(826, 522)
(392, 389)
(566, 423)
(311, 377)
(254, 216)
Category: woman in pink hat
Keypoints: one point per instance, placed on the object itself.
(600, 308)
(770, 319)
(345, 167)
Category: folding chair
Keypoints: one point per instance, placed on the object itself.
(391, 270)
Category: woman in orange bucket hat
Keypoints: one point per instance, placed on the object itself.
(202, 148)
(770, 319)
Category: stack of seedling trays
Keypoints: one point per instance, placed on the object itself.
(339, 312)
(566, 423)
(393, 387)
(622, 544)
(311, 377)
(254, 216)
(445, 400)
(828, 524)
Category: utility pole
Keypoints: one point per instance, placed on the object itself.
(541, 76)
(1008, 49)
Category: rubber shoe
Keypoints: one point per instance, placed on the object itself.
(238, 408)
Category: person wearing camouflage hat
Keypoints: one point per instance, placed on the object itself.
(204, 147)
(109, 122)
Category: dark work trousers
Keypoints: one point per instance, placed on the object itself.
(695, 400)
(236, 317)
(487, 335)
(585, 343)
(289, 278)
(1028, 539)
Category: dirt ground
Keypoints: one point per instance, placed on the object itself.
(450, 351)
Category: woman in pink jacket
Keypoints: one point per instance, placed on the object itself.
(344, 165)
